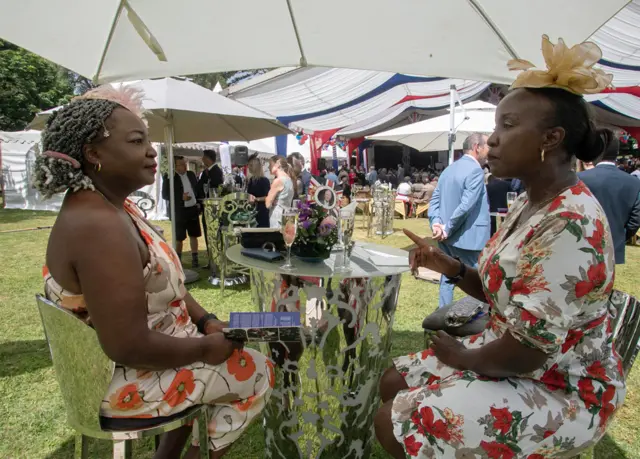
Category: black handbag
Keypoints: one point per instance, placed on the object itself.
(258, 238)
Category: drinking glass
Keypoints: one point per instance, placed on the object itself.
(511, 198)
(347, 220)
(289, 230)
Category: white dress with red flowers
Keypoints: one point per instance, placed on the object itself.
(548, 282)
(237, 390)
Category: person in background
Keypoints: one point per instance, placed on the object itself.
(372, 176)
(258, 188)
(497, 190)
(430, 182)
(344, 172)
(238, 177)
(636, 171)
(542, 380)
(211, 177)
(401, 173)
(107, 265)
(331, 175)
(404, 194)
(459, 209)
(383, 176)
(295, 169)
(185, 187)
(618, 194)
(346, 187)
(280, 194)
(361, 178)
(352, 177)
(303, 176)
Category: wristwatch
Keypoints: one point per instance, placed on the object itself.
(202, 321)
(458, 277)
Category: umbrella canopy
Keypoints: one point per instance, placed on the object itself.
(118, 40)
(195, 113)
(432, 134)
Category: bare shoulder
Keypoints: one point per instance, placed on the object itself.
(88, 213)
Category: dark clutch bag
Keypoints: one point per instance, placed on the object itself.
(262, 254)
(257, 238)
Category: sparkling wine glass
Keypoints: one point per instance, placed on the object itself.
(289, 230)
(511, 198)
(347, 220)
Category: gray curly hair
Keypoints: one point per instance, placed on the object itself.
(68, 130)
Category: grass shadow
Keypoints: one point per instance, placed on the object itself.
(20, 357)
(102, 449)
(18, 215)
(607, 448)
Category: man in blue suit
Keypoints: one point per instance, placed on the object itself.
(459, 209)
(619, 196)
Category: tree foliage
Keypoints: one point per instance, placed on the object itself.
(28, 85)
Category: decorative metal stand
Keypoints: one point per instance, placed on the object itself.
(383, 207)
(223, 216)
(326, 391)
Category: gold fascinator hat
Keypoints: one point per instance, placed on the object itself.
(570, 69)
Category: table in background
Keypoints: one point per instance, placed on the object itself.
(326, 392)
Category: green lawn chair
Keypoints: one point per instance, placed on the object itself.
(84, 373)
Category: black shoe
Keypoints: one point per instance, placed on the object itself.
(194, 260)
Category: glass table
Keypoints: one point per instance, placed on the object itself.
(326, 392)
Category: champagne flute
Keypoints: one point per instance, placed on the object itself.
(289, 230)
(347, 220)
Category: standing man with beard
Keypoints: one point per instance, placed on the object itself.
(459, 210)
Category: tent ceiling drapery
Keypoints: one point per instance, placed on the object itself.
(357, 101)
(134, 39)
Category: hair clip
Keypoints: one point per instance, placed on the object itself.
(106, 132)
(54, 154)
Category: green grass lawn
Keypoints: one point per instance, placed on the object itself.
(32, 417)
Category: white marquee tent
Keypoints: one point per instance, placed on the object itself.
(135, 39)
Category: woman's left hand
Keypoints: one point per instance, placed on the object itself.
(448, 350)
(214, 326)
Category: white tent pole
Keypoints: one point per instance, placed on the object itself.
(168, 142)
(452, 123)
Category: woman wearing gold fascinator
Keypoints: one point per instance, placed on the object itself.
(542, 380)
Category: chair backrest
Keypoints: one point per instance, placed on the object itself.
(626, 327)
(82, 369)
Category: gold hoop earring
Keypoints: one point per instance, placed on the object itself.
(542, 156)
(98, 167)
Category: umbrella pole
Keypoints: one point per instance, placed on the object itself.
(452, 121)
(168, 143)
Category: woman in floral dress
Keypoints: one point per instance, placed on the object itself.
(543, 379)
(109, 266)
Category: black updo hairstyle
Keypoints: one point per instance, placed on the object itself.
(68, 130)
(582, 138)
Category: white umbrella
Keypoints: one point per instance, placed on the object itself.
(116, 40)
(181, 111)
(433, 134)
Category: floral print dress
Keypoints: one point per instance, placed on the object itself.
(237, 389)
(547, 282)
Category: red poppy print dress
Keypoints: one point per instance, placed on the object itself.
(548, 282)
(237, 390)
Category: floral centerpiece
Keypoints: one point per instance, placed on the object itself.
(317, 232)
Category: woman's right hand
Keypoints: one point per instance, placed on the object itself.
(427, 255)
(252, 198)
(217, 348)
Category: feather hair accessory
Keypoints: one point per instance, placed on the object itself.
(127, 96)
